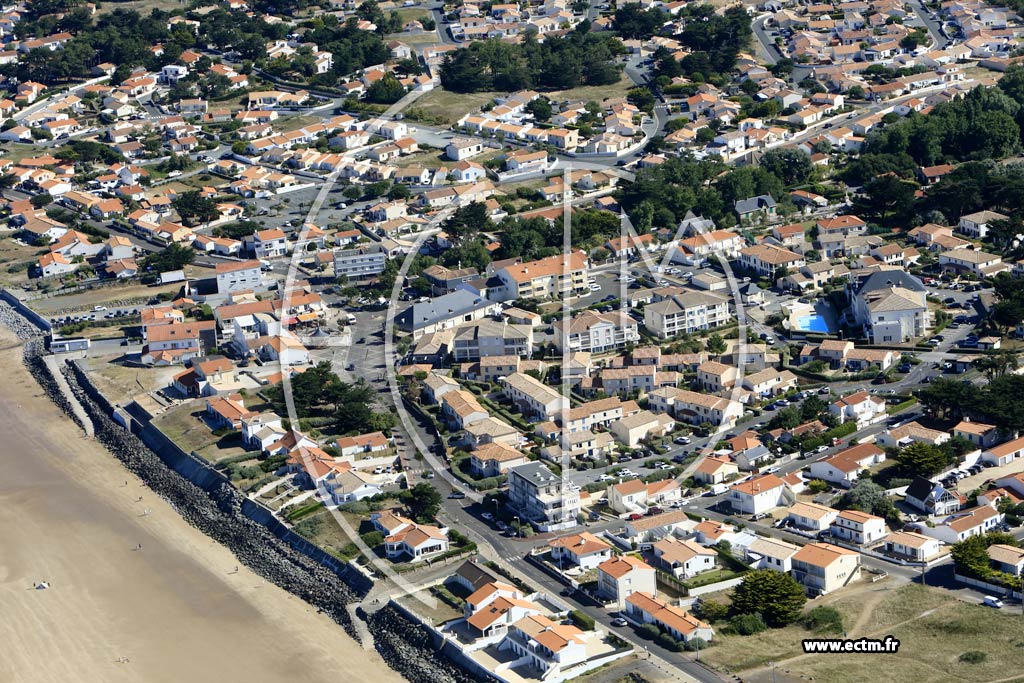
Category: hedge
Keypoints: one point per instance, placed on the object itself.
(583, 621)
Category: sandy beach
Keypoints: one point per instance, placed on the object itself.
(177, 609)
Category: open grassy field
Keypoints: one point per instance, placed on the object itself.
(16, 151)
(593, 92)
(120, 383)
(15, 256)
(411, 14)
(127, 293)
(143, 7)
(934, 630)
(448, 107)
(421, 39)
(185, 426)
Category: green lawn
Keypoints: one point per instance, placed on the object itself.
(448, 107)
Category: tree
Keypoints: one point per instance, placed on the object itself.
(387, 90)
(711, 611)
(887, 199)
(423, 501)
(867, 496)
(540, 108)
(947, 398)
(791, 166)
(172, 257)
(195, 208)
(715, 345)
(922, 458)
(811, 408)
(633, 22)
(41, 200)
(776, 596)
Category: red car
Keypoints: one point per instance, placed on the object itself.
(635, 516)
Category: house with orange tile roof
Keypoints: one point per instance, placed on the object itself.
(846, 466)
(548, 646)
(636, 495)
(226, 412)
(1004, 453)
(862, 407)
(758, 494)
(963, 525)
(715, 470)
(978, 433)
(583, 550)
(823, 568)
(416, 542)
(811, 516)
(912, 546)
(859, 528)
(494, 606)
(683, 558)
(645, 608)
(623, 575)
(363, 445)
(495, 458)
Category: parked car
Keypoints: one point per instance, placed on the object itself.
(635, 516)
(456, 494)
(619, 622)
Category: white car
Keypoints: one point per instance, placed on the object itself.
(606, 477)
(595, 287)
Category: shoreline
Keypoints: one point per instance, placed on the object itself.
(182, 608)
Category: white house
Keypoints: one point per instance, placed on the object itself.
(858, 527)
(843, 468)
(758, 495)
(974, 522)
(863, 408)
(912, 546)
(683, 559)
(584, 550)
(623, 575)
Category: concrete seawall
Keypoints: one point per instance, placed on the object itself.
(206, 499)
(203, 475)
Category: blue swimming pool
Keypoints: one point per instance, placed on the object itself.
(813, 323)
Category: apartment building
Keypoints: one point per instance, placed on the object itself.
(767, 259)
(542, 498)
(234, 276)
(595, 332)
(686, 312)
(695, 408)
(487, 338)
(532, 397)
(359, 263)
(544, 278)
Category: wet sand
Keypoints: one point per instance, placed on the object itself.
(177, 610)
